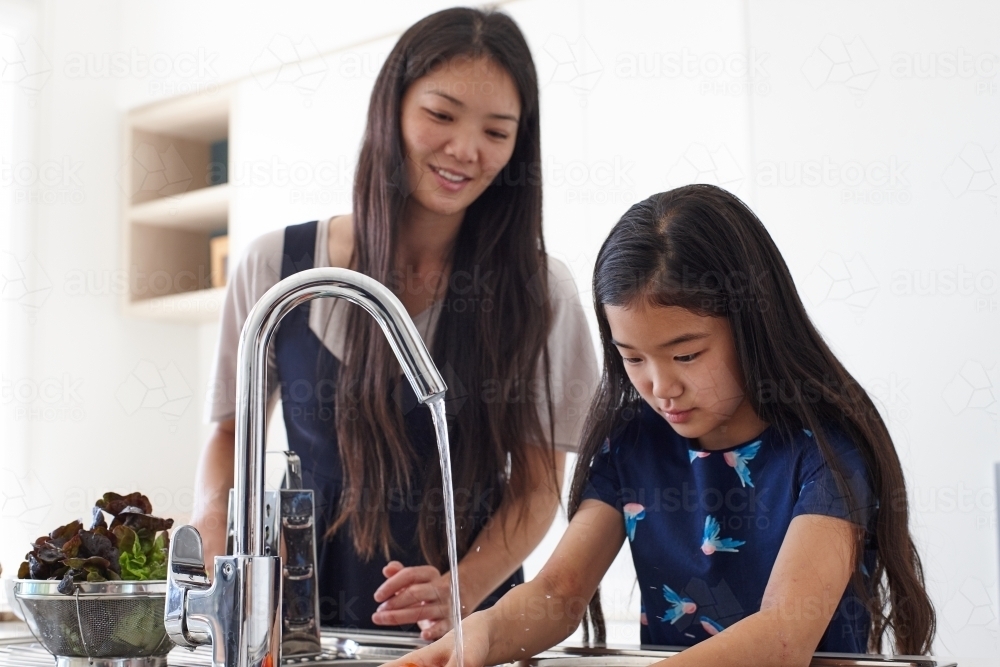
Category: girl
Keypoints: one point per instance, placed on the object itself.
(444, 215)
(757, 486)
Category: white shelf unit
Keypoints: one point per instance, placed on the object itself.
(170, 208)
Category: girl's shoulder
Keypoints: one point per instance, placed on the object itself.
(840, 444)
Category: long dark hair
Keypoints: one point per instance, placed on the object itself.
(700, 248)
(493, 337)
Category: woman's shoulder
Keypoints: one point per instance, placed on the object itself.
(562, 282)
(259, 267)
(265, 248)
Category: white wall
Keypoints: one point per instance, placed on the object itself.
(904, 201)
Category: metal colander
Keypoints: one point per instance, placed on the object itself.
(103, 623)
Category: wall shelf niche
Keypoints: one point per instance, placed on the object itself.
(175, 200)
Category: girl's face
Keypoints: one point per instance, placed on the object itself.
(685, 367)
(459, 125)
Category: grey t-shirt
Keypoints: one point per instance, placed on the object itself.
(573, 364)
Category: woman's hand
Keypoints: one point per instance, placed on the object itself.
(420, 595)
(442, 652)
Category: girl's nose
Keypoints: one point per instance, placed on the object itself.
(666, 386)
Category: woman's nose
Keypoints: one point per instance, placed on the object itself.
(462, 147)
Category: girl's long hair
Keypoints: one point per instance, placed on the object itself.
(493, 324)
(700, 248)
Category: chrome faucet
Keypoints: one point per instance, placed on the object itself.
(238, 611)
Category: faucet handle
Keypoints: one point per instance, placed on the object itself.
(293, 471)
(185, 572)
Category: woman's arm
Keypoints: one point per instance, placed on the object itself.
(806, 584)
(422, 594)
(544, 611)
(212, 482)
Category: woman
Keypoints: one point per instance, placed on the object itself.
(447, 212)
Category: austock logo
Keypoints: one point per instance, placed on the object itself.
(572, 64)
(837, 62)
(838, 280)
(23, 63)
(150, 388)
(23, 281)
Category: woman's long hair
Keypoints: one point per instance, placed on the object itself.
(492, 331)
(700, 248)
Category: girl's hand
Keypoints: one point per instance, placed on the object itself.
(442, 652)
(420, 595)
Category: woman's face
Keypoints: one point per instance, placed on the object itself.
(686, 368)
(459, 125)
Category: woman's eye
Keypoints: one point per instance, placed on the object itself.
(498, 135)
(438, 115)
(631, 360)
(684, 358)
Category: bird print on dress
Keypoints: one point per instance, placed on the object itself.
(738, 459)
(633, 512)
(606, 446)
(693, 454)
(679, 606)
(807, 432)
(710, 626)
(712, 542)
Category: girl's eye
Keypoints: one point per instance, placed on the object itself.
(631, 360)
(684, 358)
(496, 134)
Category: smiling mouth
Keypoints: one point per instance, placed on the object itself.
(450, 175)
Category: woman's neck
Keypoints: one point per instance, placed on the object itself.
(426, 238)
(423, 257)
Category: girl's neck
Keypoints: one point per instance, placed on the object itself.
(742, 426)
(426, 238)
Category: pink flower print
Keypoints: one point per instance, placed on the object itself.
(738, 458)
(710, 626)
(712, 542)
(634, 512)
(679, 606)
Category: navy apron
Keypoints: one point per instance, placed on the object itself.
(307, 372)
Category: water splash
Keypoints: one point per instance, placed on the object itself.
(444, 454)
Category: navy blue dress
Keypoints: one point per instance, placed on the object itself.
(307, 373)
(705, 527)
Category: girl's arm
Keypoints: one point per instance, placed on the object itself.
(422, 594)
(806, 584)
(544, 611)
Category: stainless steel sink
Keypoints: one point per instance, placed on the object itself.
(372, 649)
(582, 656)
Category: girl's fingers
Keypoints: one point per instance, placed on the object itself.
(436, 630)
(434, 655)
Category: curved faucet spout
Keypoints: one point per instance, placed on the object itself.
(374, 297)
(238, 611)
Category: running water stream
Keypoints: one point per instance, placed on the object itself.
(444, 451)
